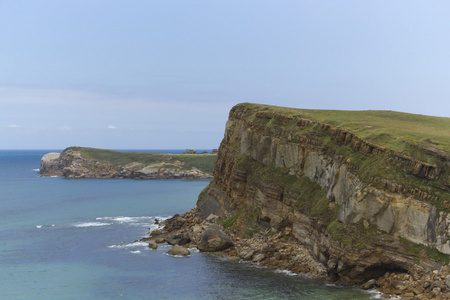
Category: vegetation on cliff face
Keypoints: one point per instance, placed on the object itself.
(390, 150)
(203, 162)
(347, 185)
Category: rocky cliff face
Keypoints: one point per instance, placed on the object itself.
(360, 208)
(71, 164)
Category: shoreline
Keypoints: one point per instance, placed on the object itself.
(283, 253)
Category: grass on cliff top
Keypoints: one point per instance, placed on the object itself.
(391, 129)
(203, 162)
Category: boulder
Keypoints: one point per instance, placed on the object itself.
(246, 255)
(174, 223)
(214, 239)
(156, 232)
(179, 239)
(259, 257)
(179, 250)
(152, 245)
(212, 219)
(437, 291)
(447, 281)
(160, 240)
(369, 284)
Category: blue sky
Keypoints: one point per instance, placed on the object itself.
(126, 74)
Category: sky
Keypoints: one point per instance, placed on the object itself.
(142, 74)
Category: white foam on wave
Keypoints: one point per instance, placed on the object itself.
(374, 294)
(44, 226)
(36, 170)
(143, 221)
(123, 219)
(137, 251)
(177, 255)
(91, 224)
(286, 272)
(130, 245)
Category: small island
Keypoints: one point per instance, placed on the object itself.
(83, 162)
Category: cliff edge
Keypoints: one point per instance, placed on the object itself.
(365, 192)
(80, 162)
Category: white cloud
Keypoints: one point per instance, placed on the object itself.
(111, 127)
(13, 126)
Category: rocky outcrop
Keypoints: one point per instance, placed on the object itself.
(51, 165)
(179, 239)
(178, 251)
(72, 164)
(214, 239)
(359, 208)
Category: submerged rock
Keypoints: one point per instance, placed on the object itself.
(179, 250)
(152, 245)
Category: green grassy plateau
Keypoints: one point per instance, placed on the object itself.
(203, 162)
(395, 130)
(421, 138)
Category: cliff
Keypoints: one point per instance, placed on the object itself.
(79, 162)
(365, 192)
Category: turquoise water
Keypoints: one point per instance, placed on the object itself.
(74, 239)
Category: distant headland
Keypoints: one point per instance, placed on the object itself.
(83, 162)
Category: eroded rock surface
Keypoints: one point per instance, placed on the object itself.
(71, 164)
(278, 173)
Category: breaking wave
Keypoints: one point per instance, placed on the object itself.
(91, 224)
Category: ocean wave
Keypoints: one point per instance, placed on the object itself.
(123, 219)
(143, 221)
(177, 255)
(40, 226)
(286, 272)
(374, 294)
(36, 170)
(137, 251)
(91, 224)
(130, 245)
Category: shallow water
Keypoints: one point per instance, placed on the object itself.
(74, 239)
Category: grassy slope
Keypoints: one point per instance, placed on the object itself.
(203, 162)
(394, 130)
(401, 132)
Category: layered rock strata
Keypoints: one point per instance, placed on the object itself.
(326, 186)
(283, 251)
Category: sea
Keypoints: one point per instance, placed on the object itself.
(77, 239)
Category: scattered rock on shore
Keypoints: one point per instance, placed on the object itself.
(179, 239)
(179, 250)
(152, 245)
(156, 232)
(214, 239)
